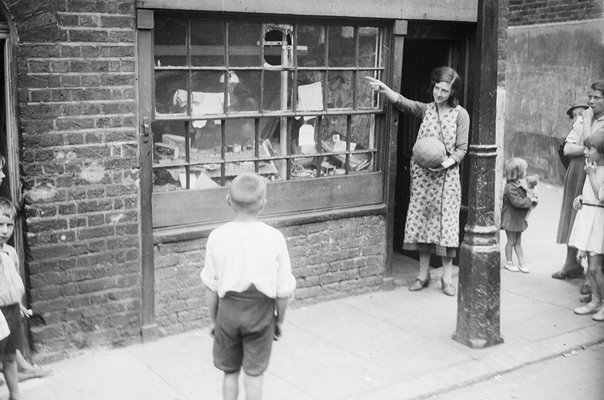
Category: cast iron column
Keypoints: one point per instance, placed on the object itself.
(479, 278)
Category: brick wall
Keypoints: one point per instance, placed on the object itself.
(80, 171)
(554, 51)
(329, 259)
(529, 12)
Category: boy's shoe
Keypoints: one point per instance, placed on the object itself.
(588, 308)
(523, 269)
(511, 267)
(585, 289)
(599, 316)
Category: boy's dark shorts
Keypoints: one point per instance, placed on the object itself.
(243, 336)
(12, 314)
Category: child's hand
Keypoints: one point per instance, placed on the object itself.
(587, 114)
(25, 312)
(278, 331)
(578, 202)
(590, 167)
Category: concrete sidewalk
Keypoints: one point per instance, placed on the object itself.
(384, 345)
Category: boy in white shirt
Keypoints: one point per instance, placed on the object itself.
(248, 275)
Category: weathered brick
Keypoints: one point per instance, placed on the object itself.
(68, 124)
(34, 226)
(117, 21)
(88, 35)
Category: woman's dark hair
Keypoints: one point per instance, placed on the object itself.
(596, 141)
(450, 76)
(598, 85)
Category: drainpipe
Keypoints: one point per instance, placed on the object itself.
(478, 304)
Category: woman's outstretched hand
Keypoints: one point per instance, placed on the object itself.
(382, 88)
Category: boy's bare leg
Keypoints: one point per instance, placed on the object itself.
(9, 368)
(253, 387)
(230, 386)
(22, 363)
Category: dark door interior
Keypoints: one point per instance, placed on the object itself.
(428, 45)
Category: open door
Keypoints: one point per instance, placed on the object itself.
(429, 45)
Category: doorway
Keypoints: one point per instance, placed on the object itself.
(10, 149)
(429, 45)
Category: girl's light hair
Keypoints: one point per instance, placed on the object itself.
(7, 208)
(515, 169)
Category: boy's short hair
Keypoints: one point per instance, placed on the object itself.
(7, 208)
(596, 141)
(248, 193)
(515, 169)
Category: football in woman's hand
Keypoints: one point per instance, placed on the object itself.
(429, 152)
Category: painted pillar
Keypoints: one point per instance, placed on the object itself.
(479, 267)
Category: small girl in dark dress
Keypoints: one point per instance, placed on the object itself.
(515, 207)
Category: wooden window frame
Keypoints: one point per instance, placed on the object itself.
(288, 199)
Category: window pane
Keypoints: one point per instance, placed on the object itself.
(207, 43)
(244, 91)
(277, 90)
(170, 92)
(368, 46)
(239, 138)
(169, 142)
(311, 46)
(273, 42)
(366, 98)
(310, 91)
(341, 46)
(340, 92)
(362, 131)
(169, 179)
(207, 95)
(360, 162)
(333, 134)
(170, 42)
(204, 176)
(244, 44)
(304, 141)
(207, 139)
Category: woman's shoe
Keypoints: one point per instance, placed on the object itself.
(588, 308)
(448, 288)
(419, 284)
(510, 266)
(572, 274)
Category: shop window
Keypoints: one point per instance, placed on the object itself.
(285, 100)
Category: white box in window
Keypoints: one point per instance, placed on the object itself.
(174, 140)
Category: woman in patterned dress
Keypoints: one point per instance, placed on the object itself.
(432, 225)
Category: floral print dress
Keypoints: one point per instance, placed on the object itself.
(433, 216)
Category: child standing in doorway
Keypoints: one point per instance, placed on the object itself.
(515, 207)
(248, 275)
(587, 234)
(12, 291)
